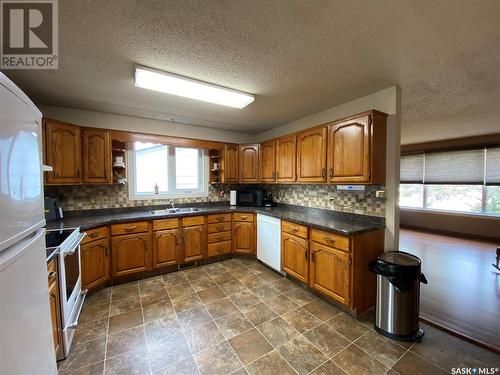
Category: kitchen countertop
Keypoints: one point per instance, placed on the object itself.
(340, 222)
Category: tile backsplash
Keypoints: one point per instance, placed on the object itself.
(89, 197)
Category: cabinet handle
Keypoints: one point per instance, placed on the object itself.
(94, 235)
(274, 175)
(331, 172)
(106, 252)
(328, 239)
(220, 218)
(295, 229)
(78, 173)
(130, 229)
(220, 228)
(244, 217)
(306, 255)
(313, 255)
(220, 238)
(323, 172)
(277, 175)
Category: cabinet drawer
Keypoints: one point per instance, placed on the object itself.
(222, 227)
(219, 218)
(330, 239)
(295, 229)
(128, 228)
(165, 224)
(95, 234)
(218, 237)
(219, 248)
(241, 216)
(192, 221)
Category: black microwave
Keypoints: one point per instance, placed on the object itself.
(250, 198)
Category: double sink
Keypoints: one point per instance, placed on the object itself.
(171, 211)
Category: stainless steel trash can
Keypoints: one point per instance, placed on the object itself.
(398, 295)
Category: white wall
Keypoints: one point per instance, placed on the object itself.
(387, 101)
(141, 125)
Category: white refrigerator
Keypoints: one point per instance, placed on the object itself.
(26, 341)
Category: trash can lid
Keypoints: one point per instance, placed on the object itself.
(400, 258)
(396, 264)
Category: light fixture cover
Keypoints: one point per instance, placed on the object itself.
(174, 84)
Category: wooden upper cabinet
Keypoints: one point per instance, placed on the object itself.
(357, 149)
(231, 163)
(285, 158)
(268, 161)
(63, 152)
(311, 155)
(249, 163)
(330, 272)
(96, 157)
(194, 243)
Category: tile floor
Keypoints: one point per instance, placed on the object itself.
(239, 317)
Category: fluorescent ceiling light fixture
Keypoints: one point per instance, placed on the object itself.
(190, 88)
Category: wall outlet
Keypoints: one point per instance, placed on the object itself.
(276, 195)
(381, 194)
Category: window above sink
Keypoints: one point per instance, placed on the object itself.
(160, 171)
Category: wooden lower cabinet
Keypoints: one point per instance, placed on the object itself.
(244, 237)
(165, 248)
(194, 240)
(330, 272)
(95, 263)
(295, 256)
(55, 312)
(130, 253)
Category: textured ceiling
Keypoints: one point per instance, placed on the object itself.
(297, 57)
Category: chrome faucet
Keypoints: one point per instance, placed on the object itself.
(173, 205)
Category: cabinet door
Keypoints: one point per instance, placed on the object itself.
(349, 151)
(231, 163)
(165, 244)
(96, 157)
(249, 163)
(55, 315)
(268, 161)
(95, 263)
(285, 159)
(295, 256)
(243, 238)
(63, 152)
(130, 253)
(311, 155)
(194, 243)
(330, 272)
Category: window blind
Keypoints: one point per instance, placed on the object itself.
(412, 169)
(492, 166)
(464, 167)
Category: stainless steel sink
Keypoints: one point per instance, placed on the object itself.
(166, 211)
(170, 211)
(188, 209)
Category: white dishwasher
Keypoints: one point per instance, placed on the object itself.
(269, 241)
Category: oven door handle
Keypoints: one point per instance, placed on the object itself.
(74, 323)
(71, 251)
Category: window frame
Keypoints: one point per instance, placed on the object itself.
(172, 192)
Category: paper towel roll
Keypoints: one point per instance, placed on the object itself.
(232, 197)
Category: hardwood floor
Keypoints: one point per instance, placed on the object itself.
(463, 294)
